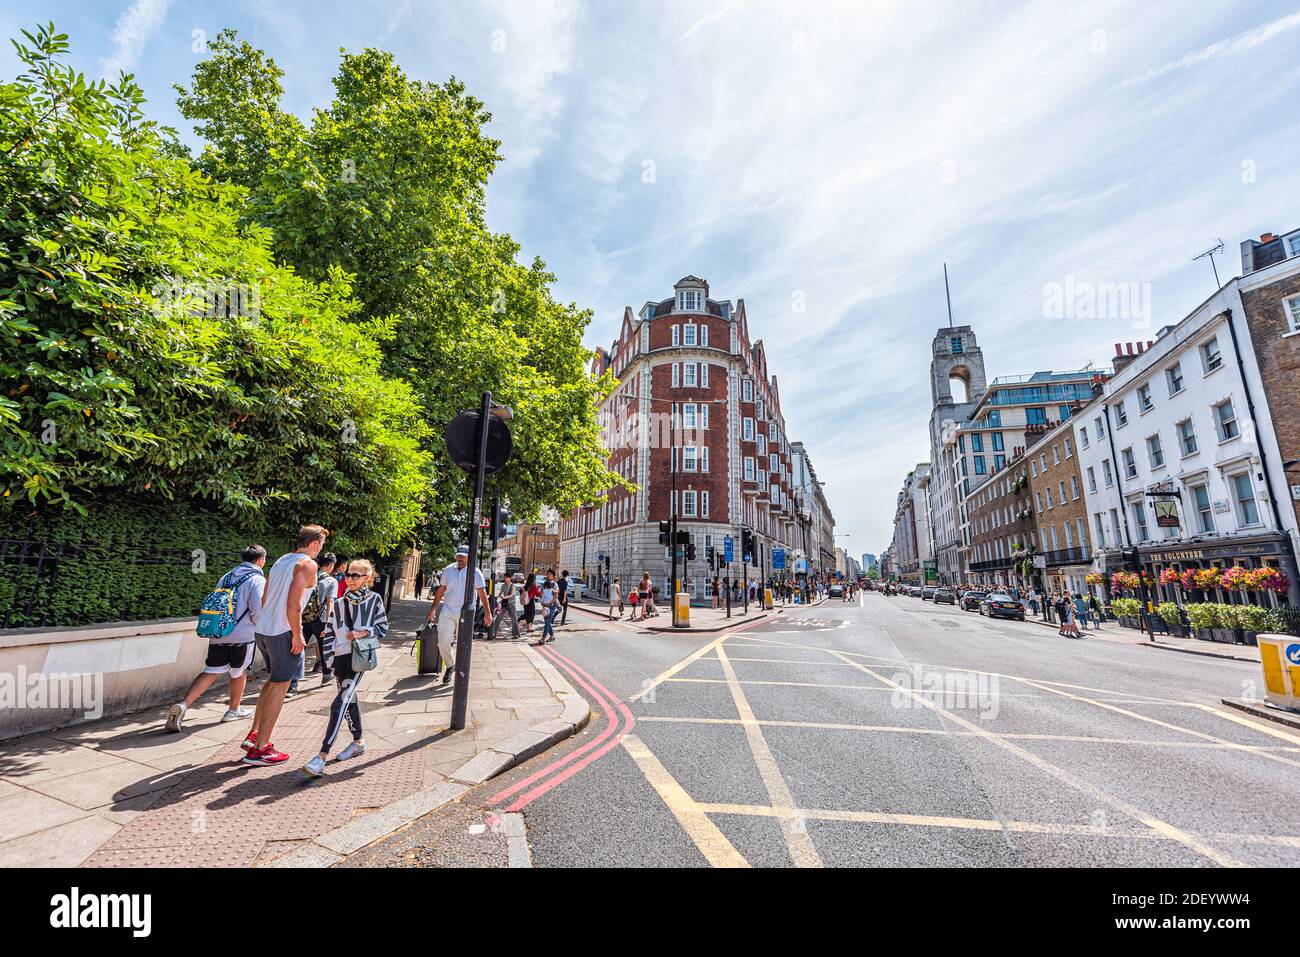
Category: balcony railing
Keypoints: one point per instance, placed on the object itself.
(996, 565)
(1068, 556)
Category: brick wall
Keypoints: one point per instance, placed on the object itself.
(1278, 355)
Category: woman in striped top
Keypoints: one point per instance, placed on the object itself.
(360, 613)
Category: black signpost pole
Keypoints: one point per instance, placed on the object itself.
(465, 637)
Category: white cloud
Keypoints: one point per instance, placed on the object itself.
(137, 25)
(1248, 40)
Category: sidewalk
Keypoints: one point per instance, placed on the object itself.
(1114, 631)
(703, 618)
(123, 793)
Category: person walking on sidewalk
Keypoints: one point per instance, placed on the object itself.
(506, 606)
(550, 608)
(451, 594)
(360, 613)
(314, 617)
(564, 597)
(279, 636)
(232, 654)
(615, 598)
(529, 598)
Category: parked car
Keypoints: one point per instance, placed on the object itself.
(997, 605)
(577, 588)
(945, 596)
(970, 600)
(927, 592)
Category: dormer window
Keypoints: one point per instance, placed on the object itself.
(688, 300)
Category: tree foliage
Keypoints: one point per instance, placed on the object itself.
(150, 344)
(388, 185)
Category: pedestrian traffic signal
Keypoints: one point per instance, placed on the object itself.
(665, 529)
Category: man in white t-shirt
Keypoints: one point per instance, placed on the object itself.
(451, 593)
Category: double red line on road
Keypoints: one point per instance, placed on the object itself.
(556, 773)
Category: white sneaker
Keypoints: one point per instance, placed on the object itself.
(237, 715)
(352, 750)
(176, 716)
(315, 767)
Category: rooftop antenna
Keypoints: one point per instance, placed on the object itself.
(1212, 253)
(947, 294)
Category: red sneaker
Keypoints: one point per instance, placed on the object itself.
(265, 757)
(250, 742)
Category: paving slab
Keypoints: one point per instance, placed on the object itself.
(121, 792)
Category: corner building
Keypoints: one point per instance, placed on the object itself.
(695, 396)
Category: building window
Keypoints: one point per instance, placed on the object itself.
(688, 415)
(677, 373)
(690, 369)
(1187, 438)
(747, 390)
(749, 468)
(1130, 464)
(704, 499)
(1036, 416)
(1101, 428)
(704, 458)
(1211, 358)
(689, 337)
(1061, 488)
(1083, 435)
(1056, 455)
(979, 465)
(994, 419)
(704, 375)
(1064, 412)
(689, 458)
(1226, 419)
(1244, 491)
(1174, 376)
(1155, 453)
(748, 432)
(1140, 520)
(1092, 480)
(999, 461)
(1205, 514)
(1121, 415)
(1107, 474)
(1292, 307)
(976, 442)
(1144, 397)
(688, 504)
(704, 337)
(1069, 449)
(955, 343)
(688, 300)
(677, 335)
(997, 442)
(1101, 528)
(1074, 488)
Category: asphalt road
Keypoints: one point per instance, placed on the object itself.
(890, 731)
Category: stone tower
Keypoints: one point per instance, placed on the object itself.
(956, 355)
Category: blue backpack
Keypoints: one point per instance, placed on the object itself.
(217, 613)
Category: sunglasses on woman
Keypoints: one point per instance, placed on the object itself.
(356, 574)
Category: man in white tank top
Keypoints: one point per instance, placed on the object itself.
(279, 637)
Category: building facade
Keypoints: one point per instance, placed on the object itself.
(1060, 539)
(1179, 457)
(957, 380)
(1270, 297)
(695, 428)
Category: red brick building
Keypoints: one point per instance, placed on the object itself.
(695, 397)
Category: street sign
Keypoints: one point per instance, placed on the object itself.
(729, 549)
(1293, 653)
(1040, 561)
(514, 563)
(778, 559)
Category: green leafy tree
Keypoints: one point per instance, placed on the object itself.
(388, 184)
(151, 346)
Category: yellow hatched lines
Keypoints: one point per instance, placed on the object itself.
(718, 850)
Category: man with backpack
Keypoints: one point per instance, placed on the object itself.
(279, 638)
(564, 597)
(314, 617)
(228, 619)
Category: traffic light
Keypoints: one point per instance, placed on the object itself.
(690, 553)
(746, 543)
(683, 537)
(665, 529)
(709, 555)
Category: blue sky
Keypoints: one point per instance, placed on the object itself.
(834, 155)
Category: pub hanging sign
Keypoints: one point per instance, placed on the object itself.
(1166, 513)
